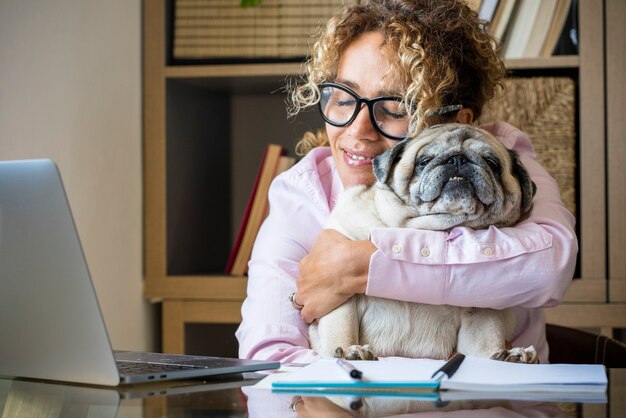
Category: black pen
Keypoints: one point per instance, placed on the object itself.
(449, 368)
(352, 371)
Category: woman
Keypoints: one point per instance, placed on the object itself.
(427, 56)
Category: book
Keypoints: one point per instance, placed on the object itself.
(540, 28)
(559, 22)
(474, 4)
(414, 376)
(487, 9)
(274, 162)
(500, 21)
(568, 41)
(519, 33)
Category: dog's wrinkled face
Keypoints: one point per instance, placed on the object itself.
(458, 172)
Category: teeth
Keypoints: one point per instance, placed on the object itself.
(358, 157)
(456, 178)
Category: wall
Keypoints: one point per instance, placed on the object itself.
(70, 90)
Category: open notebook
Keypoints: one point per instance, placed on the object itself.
(415, 376)
(51, 326)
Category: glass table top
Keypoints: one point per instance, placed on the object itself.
(235, 396)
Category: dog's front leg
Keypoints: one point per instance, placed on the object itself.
(483, 333)
(337, 330)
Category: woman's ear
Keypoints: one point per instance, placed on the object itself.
(465, 115)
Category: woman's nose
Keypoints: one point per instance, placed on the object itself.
(361, 127)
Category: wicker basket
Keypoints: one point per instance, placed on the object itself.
(222, 29)
(544, 108)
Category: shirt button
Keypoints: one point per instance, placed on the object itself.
(396, 248)
(425, 252)
(488, 251)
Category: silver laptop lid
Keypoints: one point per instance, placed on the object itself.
(51, 326)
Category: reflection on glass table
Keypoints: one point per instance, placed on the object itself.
(234, 396)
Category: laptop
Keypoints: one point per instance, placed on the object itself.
(51, 326)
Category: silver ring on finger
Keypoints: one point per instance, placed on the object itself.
(292, 299)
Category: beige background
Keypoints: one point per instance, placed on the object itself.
(70, 90)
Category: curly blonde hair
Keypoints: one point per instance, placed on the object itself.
(439, 50)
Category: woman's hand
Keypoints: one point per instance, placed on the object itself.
(335, 269)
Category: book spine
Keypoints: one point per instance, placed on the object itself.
(273, 163)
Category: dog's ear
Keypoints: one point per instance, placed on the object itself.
(527, 185)
(382, 163)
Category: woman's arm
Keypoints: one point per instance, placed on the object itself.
(528, 265)
(271, 327)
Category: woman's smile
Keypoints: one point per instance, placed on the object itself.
(357, 159)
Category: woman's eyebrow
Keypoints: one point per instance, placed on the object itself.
(390, 92)
(347, 83)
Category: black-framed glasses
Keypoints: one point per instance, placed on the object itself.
(339, 106)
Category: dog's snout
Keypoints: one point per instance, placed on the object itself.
(457, 160)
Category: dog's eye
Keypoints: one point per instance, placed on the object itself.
(494, 163)
(423, 161)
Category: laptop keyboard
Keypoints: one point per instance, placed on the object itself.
(131, 368)
(140, 363)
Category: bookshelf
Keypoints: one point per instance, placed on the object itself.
(206, 126)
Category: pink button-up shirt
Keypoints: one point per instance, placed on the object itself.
(527, 267)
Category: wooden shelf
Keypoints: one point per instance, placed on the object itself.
(283, 69)
(270, 77)
(556, 62)
(209, 287)
(588, 315)
(203, 287)
(233, 288)
(233, 70)
(586, 290)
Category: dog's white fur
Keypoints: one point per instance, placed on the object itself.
(367, 327)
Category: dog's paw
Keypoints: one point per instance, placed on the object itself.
(356, 352)
(518, 355)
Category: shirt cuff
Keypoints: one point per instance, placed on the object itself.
(415, 246)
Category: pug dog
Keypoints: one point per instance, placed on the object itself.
(448, 175)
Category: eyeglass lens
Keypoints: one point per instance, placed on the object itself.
(339, 107)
